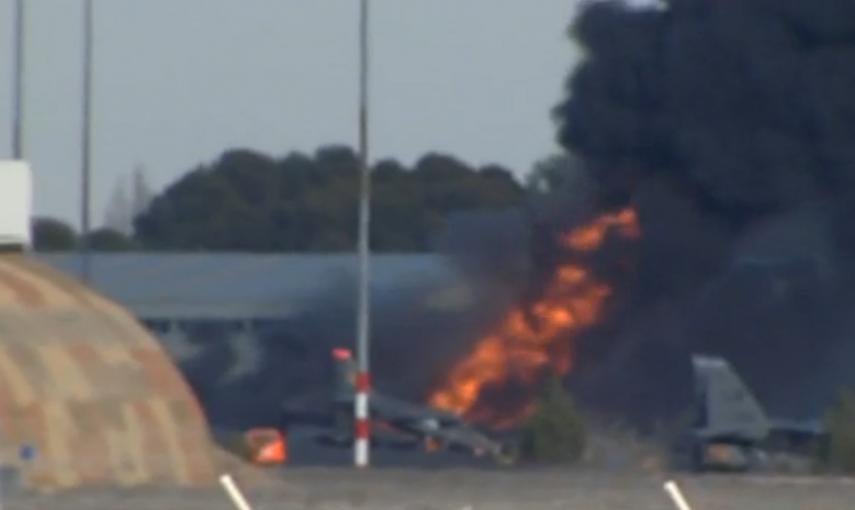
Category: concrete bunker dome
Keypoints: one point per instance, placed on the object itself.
(89, 391)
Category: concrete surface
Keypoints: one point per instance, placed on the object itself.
(469, 489)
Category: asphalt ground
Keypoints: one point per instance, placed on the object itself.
(324, 488)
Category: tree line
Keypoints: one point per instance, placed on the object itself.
(250, 202)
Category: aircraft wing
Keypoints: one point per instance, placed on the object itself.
(798, 432)
(813, 427)
(464, 437)
(394, 416)
(396, 410)
(431, 424)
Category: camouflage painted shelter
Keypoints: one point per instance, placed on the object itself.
(87, 396)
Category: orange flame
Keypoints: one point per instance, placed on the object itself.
(590, 237)
(530, 341)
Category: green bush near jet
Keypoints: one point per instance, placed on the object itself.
(555, 433)
(839, 454)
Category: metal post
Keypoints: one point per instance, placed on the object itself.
(3, 463)
(18, 87)
(86, 145)
(362, 429)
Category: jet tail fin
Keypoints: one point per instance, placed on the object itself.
(727, 408)
(345, 374)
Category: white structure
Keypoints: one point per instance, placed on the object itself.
(16, 204)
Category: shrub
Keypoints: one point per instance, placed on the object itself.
(839, 452)
(555, 433)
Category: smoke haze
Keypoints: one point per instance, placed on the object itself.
(728, 126)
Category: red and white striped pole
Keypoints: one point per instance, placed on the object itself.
(362, 420)
(362, 430)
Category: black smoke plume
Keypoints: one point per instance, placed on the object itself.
(730, 126)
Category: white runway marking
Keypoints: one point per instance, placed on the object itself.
(673, 490)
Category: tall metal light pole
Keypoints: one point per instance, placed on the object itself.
(86, 139)
(18, 87)
(362, 427)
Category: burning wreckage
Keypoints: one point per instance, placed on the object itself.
(490, 391)
(747, 249)
(487, 394)
(397, 424)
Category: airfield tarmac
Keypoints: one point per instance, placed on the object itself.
(468, 489)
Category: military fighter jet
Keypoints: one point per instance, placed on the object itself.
(731, 430)
(396, 423)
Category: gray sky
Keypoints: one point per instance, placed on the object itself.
(177, 82)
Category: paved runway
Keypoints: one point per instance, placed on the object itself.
(465, 488)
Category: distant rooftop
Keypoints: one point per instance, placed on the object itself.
(230, 286)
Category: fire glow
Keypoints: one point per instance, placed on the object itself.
(532, 340)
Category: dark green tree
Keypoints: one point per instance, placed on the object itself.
(400, 219)
(51, 234)
(555, 433)
(840, 450)
(107, 239)
(246, 201)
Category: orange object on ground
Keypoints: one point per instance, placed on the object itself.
(267, 446)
